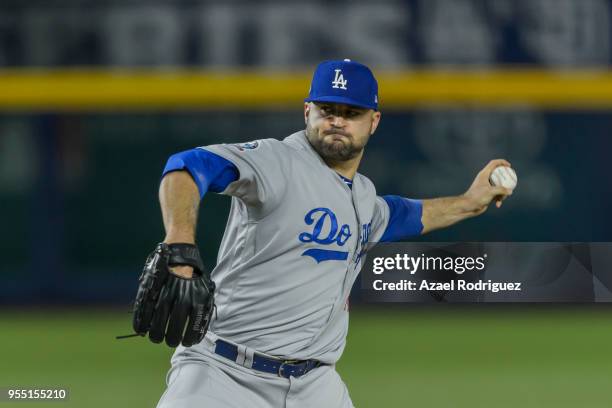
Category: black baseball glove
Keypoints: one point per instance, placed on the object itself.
(165, 302)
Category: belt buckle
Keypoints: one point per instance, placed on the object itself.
(281, 367)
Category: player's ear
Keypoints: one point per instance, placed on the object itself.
(375, 121)
(306, 111)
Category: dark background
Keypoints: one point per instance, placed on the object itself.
(79, 191)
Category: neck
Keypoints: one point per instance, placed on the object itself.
(346, 168)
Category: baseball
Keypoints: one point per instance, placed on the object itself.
(504, 176)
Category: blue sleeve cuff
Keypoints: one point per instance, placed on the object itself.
(210, 171)
(404, 218)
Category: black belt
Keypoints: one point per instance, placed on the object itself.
(283, 368)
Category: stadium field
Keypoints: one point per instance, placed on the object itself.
(409, 356)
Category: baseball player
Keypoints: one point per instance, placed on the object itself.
(267, 326)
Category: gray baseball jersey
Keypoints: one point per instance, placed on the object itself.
(293, 245)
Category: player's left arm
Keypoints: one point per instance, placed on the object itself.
(398, 218)
(443, 212)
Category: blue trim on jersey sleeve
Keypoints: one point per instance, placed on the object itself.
(210, 171)
(404, 218)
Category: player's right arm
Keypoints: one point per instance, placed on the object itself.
(175, 296)
(187, 177)
(179, 200)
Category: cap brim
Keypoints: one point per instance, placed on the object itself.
(341, 99)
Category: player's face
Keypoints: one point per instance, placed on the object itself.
(339, 132)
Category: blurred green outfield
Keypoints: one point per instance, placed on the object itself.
(485, 356)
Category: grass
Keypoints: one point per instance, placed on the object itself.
(460, 357)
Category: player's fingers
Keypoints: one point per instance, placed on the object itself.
(499, 162)
(495, 163)
(501, 191)
(179, 315)
(160, 319)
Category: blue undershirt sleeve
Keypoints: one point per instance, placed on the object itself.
(404, 218)
(210, 172)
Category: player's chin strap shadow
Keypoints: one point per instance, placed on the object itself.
(127, 336)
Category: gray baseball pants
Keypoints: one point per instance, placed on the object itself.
(204, 379)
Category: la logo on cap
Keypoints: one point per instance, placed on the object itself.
(339, 82)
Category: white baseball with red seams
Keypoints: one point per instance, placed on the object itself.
(504, 176)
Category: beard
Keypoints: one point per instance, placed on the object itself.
(331, 148)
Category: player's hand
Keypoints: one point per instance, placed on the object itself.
(184, 271)
(481, 193)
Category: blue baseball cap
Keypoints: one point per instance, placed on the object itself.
(344, 81)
